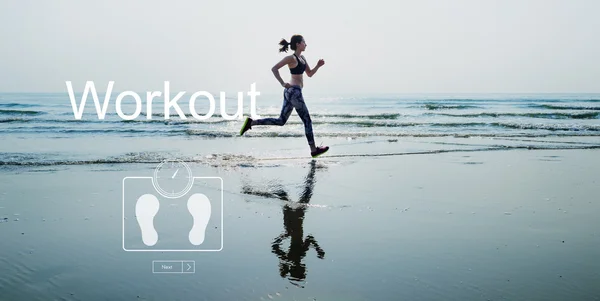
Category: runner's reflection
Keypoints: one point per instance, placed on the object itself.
(290, 260)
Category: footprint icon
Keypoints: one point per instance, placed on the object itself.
(146, 209)
(200, 209)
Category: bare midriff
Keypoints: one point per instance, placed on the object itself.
(296, 80)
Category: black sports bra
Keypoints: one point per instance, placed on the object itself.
(299, 69)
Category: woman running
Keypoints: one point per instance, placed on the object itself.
(292, 94)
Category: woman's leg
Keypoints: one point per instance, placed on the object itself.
(292, 100)
(286, 111)
(297, 101)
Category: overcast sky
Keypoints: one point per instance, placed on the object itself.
(420, 46)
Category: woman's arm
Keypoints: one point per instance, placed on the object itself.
(286, 60)
(311, 72)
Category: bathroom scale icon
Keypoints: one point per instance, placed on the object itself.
(172, 211)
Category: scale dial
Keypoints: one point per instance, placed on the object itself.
(172, 178)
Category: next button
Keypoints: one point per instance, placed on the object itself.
(167, 266)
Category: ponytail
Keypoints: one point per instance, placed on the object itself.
(292, 44)
(284, 45)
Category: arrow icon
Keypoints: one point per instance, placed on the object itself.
(188, 266)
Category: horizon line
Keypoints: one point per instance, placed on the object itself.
(332, 93)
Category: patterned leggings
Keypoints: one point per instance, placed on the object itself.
(292, 99)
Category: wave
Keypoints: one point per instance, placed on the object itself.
(549, 127)
(504, 99)
(179, 121)
(498, 148)
(97, 121)
(374, 120)
(27, 159)
(555, 115)
(532, 98)
(61, 131)
(369, 116)
(37, 120)
(558, 107)
(20, 112)
(126, 131)
(507, 125)
(41, 160)
(420, 126)
(15, 120)
(434, 106)
(12, 105)
(226, 134)
(221, 160)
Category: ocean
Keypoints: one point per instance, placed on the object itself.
(36, 127)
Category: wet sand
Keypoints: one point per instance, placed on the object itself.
(493, 225)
